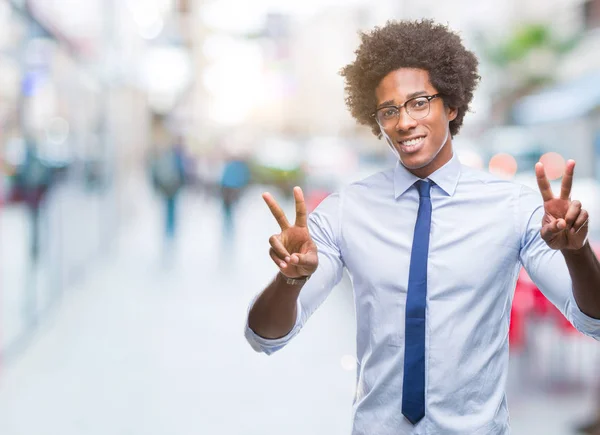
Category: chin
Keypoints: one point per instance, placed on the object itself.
(415, 162)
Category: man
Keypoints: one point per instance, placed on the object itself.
(433, 249)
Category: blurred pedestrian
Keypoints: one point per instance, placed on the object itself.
(169, 175)
(32, 181)
(433, 248)
(234, 179)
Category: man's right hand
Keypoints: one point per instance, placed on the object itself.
(292, 250)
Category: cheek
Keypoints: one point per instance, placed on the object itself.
(438, 134)
(441, 127)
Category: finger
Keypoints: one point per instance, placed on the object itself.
(567, 181)
(561, 224)
(582, 221)
(278, 247)
(584, 225)
(308, 259)
(543, 182)
(307, 252)
(572, 213)
(550, 230)
(279, 262)
(276, 211)
(300, 207)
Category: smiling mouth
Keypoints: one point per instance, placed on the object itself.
(411, 146)
(412, 142)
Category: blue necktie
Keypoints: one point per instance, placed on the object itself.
(413, 392)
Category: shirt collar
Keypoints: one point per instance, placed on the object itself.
(446, 177)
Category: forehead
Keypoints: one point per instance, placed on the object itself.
(398, 85)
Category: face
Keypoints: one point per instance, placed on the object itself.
(422, 145)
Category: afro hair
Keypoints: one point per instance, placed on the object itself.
(411, 44)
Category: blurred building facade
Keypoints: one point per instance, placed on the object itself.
(77, 87)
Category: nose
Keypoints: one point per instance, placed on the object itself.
(405, 122)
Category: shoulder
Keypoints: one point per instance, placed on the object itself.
(524, 189)
(474, 178)
(377, 185)
(523, 197)
(382, 181)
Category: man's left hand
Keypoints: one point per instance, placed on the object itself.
(565, 223)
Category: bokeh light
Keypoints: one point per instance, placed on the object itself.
(57, 130)
(471, 159)
(503, 165)
(554, 164)
(348, 362)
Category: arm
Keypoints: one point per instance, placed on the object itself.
(565, 228)
(584, 269)
(275, 311)
(280, 311)
(548, 268)
(555, 253)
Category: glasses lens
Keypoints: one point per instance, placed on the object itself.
(387, 116)
(418, 108)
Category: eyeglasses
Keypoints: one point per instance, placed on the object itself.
(417, 108)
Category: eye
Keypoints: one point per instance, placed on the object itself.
(419, 103)
(388, 112)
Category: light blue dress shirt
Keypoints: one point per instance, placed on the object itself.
(482, 230)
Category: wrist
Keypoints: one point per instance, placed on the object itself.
(577, 252)
(295, 281)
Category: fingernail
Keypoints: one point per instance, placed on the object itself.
(283, 265)
(287, 259)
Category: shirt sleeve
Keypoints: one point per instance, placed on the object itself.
(547, 267)
(324, 227)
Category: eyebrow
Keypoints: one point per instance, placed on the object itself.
(408, 97)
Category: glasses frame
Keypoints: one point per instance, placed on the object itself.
(399, 108)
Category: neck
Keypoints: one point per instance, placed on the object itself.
(442, 157)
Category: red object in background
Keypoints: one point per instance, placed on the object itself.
(529, 300)
(314, 198)
(523, 303)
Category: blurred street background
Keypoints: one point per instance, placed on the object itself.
(136, 138)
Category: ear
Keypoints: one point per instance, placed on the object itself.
(452, 113)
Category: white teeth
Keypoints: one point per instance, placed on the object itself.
(412, 142)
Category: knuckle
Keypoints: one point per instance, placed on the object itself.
(585, 214)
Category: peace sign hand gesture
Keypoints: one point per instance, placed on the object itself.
(565, 223)
(292, 250)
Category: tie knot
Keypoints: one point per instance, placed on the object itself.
(424, 187)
